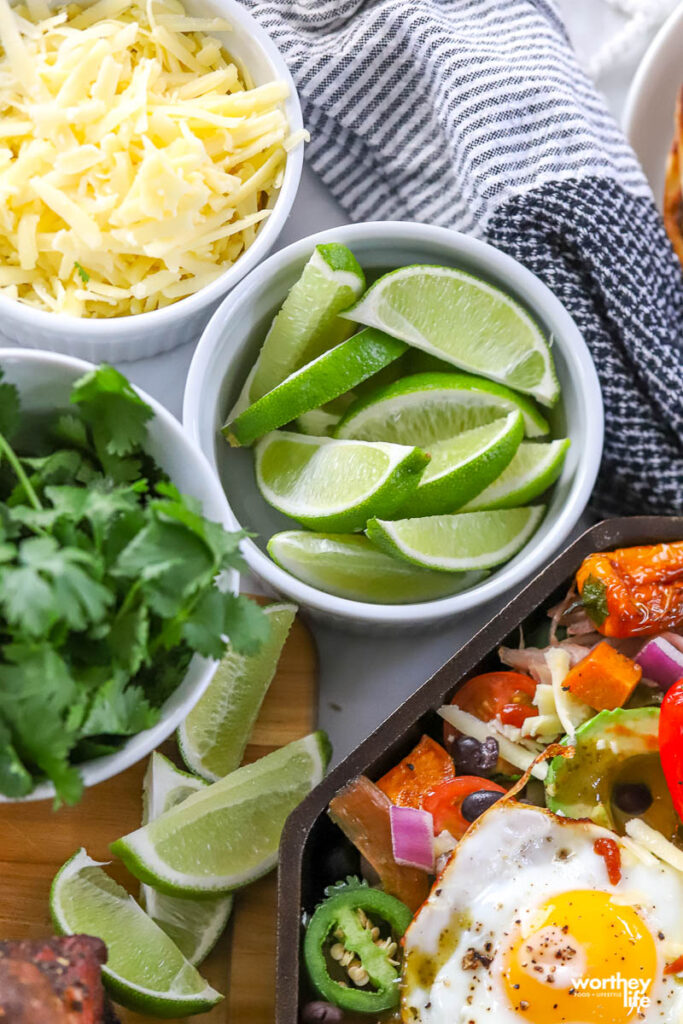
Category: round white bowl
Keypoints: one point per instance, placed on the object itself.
(137, 337)
(232, 340)
(649, 112)
(44, 381)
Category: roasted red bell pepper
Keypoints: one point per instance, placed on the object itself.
(633, 591)
(671, 743)
(425, 767)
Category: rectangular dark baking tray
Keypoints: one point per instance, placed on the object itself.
(314, 852)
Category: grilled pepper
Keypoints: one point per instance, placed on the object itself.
(671, 743)
(357, 928)
(633, 591)
(425, 767)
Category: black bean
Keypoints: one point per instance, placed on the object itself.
(317, 1012)
(474, 758)
(632, 797)
(476, 803)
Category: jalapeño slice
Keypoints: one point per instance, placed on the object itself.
(348, 917)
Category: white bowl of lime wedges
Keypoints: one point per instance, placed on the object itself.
(461, 354)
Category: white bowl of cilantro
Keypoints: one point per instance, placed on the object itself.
(115, 591)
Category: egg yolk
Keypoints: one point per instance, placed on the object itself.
(585, 959)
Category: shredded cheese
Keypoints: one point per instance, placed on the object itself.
(543, 727)
(655, 843)
(637, 851)
(570, 711)
(518, 754)
(131, 147)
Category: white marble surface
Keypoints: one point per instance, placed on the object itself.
(363, 678)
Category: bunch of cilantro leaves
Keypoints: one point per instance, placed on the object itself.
(110, 580)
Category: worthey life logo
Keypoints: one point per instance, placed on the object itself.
(633, 991)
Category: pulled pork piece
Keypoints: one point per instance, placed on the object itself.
(55, 980)
(570, 614)
(532, 661)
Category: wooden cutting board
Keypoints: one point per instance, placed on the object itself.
(36, 842)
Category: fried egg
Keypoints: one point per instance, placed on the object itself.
(525, 925)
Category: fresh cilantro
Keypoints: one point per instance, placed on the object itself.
(117, 420)
(40, 702)
(245, 625)
(9, 408)
(15, 779)
(204, 627)
(113, 410)
(120, 710)
(348, 884)
(594, 600)
(52, 583)
(110, 581)
(82, 273)
(129, 638)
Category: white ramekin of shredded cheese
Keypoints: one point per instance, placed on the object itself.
(150, 153)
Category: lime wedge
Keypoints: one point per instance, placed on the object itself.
(463, 466)
(145, 971)
(194, 925)
(348, 565)
(430, 407)
(213, 737)
(534, 467)
(465, 321)
(228, 834)
(164, 786)
(335, 485)
(467, 541)
(322, 422)
(307, 323)
(329, 376)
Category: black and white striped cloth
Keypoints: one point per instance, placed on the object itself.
(474, 114)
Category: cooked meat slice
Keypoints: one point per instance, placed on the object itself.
(56, 980)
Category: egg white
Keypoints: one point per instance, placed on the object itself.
(513, 859)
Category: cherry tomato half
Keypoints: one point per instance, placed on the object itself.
(445, 802)
(508, 695)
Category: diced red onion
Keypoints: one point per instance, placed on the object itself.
(661, 662)
(412, 837)
(674, 638)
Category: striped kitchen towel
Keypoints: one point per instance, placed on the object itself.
(474, 114)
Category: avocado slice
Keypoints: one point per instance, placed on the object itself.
(616, 774)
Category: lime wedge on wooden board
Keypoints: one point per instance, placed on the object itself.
(213, 737)
(228, 834)
(145, 971)
(194, 925)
